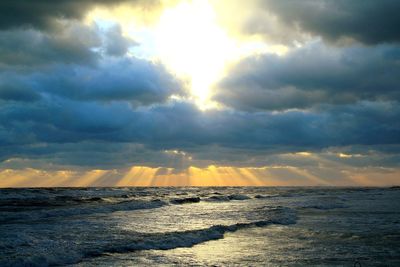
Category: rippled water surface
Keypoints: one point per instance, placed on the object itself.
(200, 226)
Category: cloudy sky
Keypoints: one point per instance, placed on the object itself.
(217, 92)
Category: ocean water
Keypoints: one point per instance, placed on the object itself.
(207, 226)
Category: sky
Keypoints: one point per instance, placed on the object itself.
(197, 93)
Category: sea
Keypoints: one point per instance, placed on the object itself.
(200, 226)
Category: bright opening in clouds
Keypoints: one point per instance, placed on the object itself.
(190, 42)
(199, 93)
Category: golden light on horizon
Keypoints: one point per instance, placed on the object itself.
(192, 176)
(138, 176)
(211, 175)
(90, 177)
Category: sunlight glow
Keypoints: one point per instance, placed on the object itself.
(187, 38)
(193, 45)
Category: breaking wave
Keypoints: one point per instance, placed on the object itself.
(171, 240)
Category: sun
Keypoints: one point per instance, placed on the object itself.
(190, 42)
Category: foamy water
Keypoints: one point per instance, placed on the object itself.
(200, 226)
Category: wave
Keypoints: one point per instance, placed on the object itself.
(172, 240)
(26, 203)
(136, 241)
(265, 196)
(185, 200)
(227, 197)
(13, 217)
(324, 206)
(214, 198)
(190, 238)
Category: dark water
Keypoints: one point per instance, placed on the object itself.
(200, 226)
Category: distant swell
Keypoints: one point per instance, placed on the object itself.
(325, 206)
(8, 217)
(18, 204)
(185, 200)
(221, 198)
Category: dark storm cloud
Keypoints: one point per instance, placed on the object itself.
(116, 44)
(41, 13)
(17, 92)
(183, 127)
(69, 91)
(313, 75)
(367, 21)
(135, 80)
(365, 156)
(73, 44)
(89, 154)
(73, 95)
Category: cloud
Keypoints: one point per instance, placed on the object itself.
(116, 44)
(73, 43)
(135, 80)
(75, 96)
(49, 127)
(79, 62)
(369, 22)
(42, 13)
(10, 91)
(312, 75)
